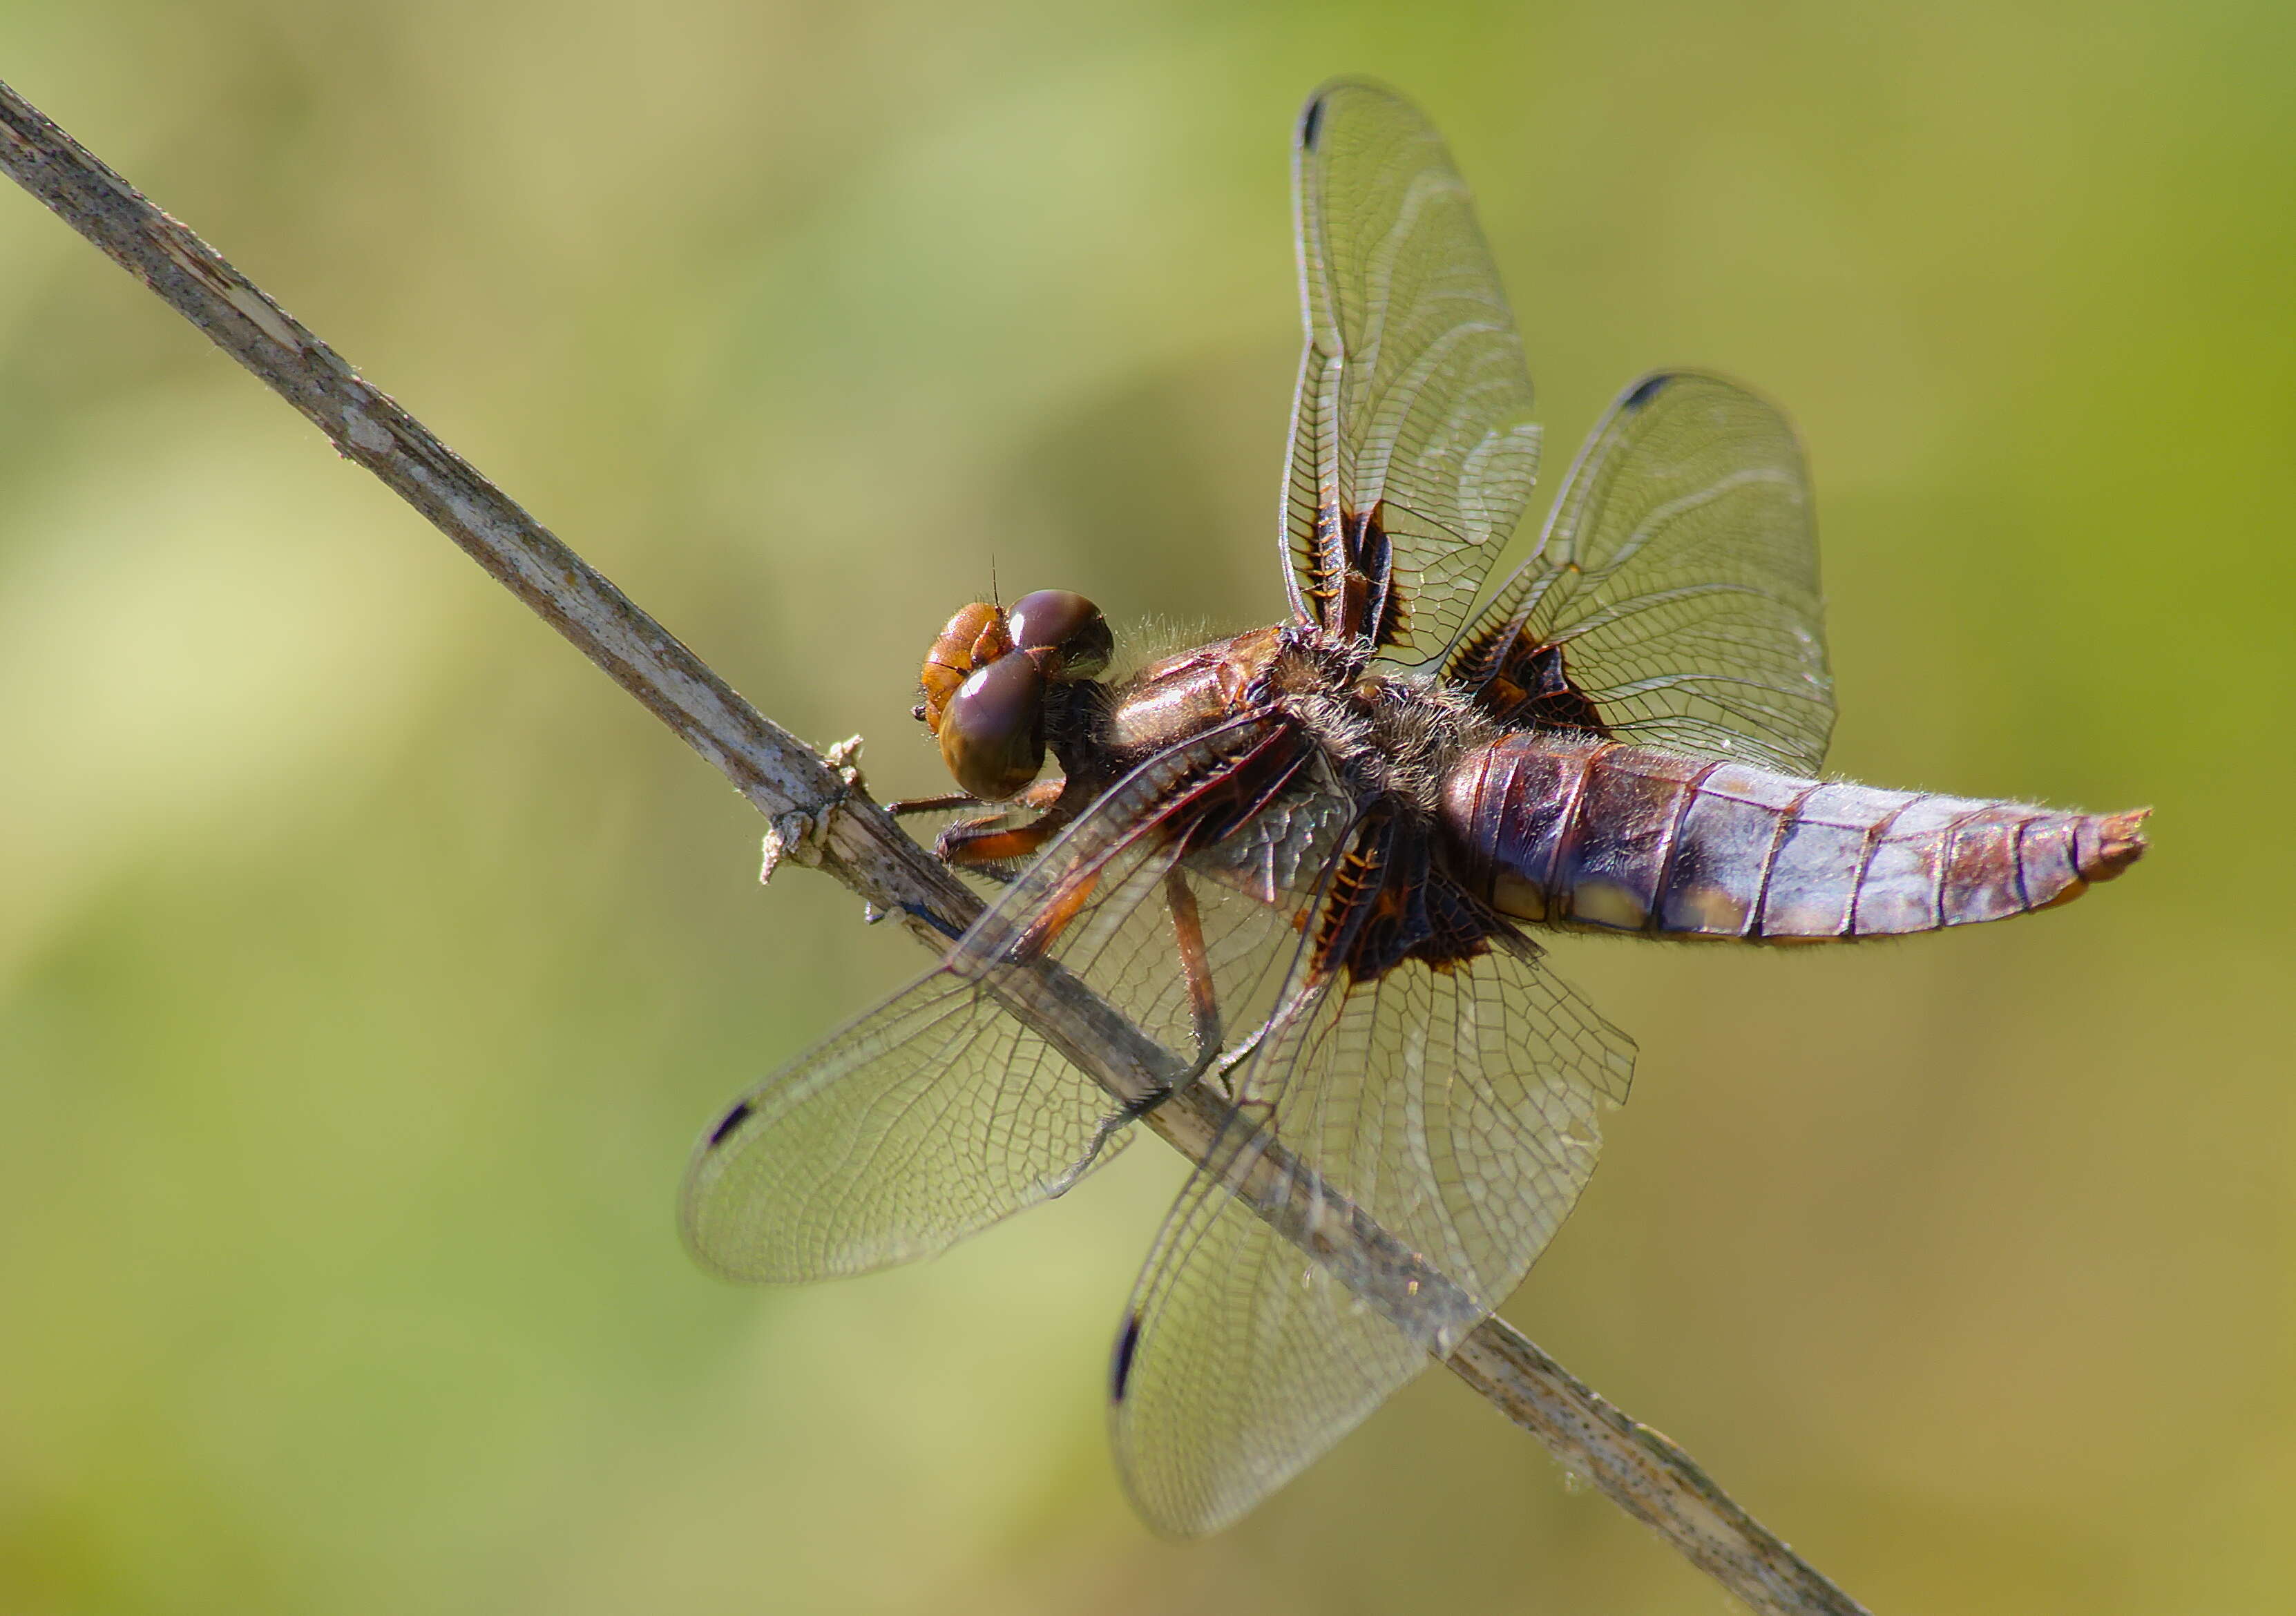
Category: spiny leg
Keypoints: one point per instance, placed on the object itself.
(989, 841)
(1196, 962)
(1040, 797)
(1203, 1002)
(944, 803)
(1203, 994)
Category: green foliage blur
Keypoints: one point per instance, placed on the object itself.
(368, 962)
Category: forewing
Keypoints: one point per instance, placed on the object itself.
(930, 1118)
(1132, 832)
(1460, 1109)
(1413, 447)
(1678, 575)
(939, 1112)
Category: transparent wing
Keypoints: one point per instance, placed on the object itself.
(1459, 1109)
(939, 1112)
(1251, 792)
(930, 1118)
(1675, 593)
(1413, 447)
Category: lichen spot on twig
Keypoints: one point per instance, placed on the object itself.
(365, 430)
(798, 835)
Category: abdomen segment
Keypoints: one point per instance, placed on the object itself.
(1606, 837)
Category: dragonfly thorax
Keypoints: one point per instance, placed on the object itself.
(1394, 736)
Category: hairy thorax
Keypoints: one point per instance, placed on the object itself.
(1392, 736)
(1388, 735)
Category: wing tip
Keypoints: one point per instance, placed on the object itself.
(1649, 388)
(1312, 116)
(741, 1111)
(1311, 119)
(1127, 1348)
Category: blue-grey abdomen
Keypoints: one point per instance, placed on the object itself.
(1599, 836)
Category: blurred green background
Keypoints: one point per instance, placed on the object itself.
(367, 961)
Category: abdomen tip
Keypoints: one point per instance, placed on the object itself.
(2118, 841)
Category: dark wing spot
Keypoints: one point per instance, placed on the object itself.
(1528, 683)
(1387, 902)
(1556, 701)
(1311, 123)
(1645, 390)
(734, 1119)
(1119, 1371)
(1375, 555)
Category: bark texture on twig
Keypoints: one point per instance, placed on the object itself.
(820, 816)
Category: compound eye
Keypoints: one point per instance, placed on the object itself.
(1067, 625)
(992, 734)
(974, 637)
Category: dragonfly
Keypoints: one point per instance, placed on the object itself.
(1316, 861)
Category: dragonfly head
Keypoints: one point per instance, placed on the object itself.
(985, 681)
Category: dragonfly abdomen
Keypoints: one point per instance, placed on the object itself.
(1614, 838)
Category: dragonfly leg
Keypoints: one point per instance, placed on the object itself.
(969, 841)
(1108, 1127)
(932, 805)
(1203, 996)
(919, 912)
(1195, 961)
(1040, 796)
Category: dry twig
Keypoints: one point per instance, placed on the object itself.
(821, 817)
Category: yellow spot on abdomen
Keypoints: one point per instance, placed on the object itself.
(1606, 903)
(1707, 911)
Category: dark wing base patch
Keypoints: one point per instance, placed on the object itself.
(1679, 571)
(1390, 901)
(1529, 685)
